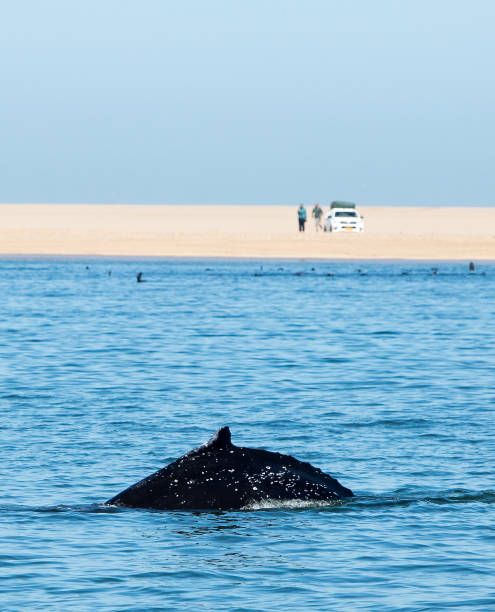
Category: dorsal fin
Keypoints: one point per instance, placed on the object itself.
(220, 439)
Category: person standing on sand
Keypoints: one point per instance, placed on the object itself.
(317, 213)
(301, 215)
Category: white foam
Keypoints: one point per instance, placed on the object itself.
(290, 504)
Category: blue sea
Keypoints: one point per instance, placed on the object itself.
(381, 374)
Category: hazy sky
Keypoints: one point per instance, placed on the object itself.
(247, 102)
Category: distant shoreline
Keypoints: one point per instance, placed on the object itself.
(212, 260)
(242, 232)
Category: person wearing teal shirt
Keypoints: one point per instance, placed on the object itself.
(301, 215)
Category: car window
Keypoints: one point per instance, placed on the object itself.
(343, 213)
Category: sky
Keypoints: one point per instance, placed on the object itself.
(389, 102)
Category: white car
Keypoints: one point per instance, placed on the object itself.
(343, 217)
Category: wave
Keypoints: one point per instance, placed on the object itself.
(369, 502)
(387, 422)
(456, 496)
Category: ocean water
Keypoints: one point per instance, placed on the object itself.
(381, 374)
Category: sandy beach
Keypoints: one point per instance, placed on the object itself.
(431, 233)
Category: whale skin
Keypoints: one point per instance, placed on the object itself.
(221, 476)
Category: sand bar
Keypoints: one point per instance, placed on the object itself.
(440, 233)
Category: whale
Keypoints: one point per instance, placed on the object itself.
(221, 476)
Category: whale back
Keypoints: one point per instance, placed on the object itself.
(220, 475)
